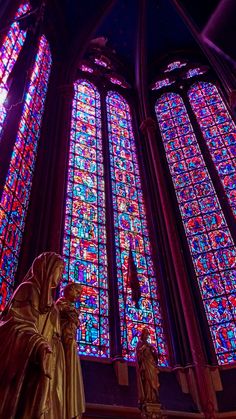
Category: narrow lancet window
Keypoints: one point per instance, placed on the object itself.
(84, 246)
(219, 132)
(209, 239)
(137, 284)
(9, 52)
(16, 193)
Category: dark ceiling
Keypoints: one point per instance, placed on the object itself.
(77, 21)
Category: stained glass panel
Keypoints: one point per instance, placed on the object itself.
(219, 132)
(86, 68)
(193, 72)
(159, 84)
(9, 52)
(210, 242)
(174, 65)
(101, 62)
(131, 235)
(16, 192)
(84, 246)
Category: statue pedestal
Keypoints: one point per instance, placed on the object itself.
(151, 411)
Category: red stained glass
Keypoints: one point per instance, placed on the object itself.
(5, 293)
(15, 197)
(9, 52)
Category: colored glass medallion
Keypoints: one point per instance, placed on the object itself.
(219, 132)
(175, 65)
(16, 192)
(138, 296)
(101, 62)
(193, 72)
(209, 239)
(159, 84)
(118, 81)
(86, 68)
(84, 247)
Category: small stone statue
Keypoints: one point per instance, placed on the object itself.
(147, 370)
(69, 317)
(32, 362)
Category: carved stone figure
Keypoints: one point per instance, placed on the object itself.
(69, 315)
(147, 370)
(32, 362)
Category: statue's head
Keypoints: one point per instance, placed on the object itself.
(46, 272)
(145, 334)
(48, 267)
(72, 291)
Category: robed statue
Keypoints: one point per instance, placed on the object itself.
(32, 356)
(69, 316)
(147, 370)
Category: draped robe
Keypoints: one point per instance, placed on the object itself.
(147, 373)
(30, 320)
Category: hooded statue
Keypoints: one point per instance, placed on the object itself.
(32, 363)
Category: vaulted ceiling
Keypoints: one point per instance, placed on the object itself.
(72, 23)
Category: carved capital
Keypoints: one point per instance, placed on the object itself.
(148, 124)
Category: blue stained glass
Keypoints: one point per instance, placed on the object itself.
(159, 84)
(193, 72)
(210, 242)
(175, 65)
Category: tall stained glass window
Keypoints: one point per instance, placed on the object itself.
(15, 198)
(85, 239)
(9, 52)
(85, 234)
(131, 235)
(219, 132)
(209, 239)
